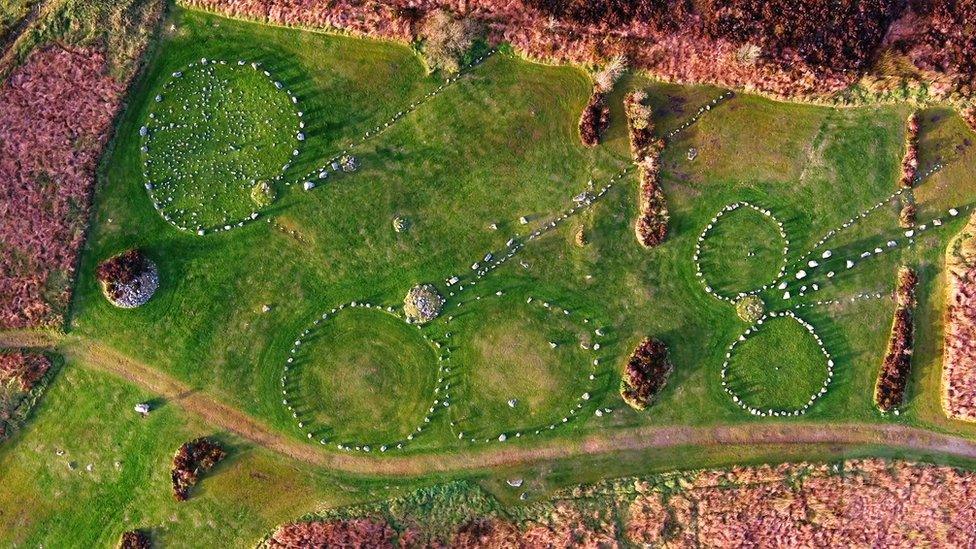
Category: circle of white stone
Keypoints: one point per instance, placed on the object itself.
(441, 394)
(769, 412)
(598, 336)
(147, 132)
(696, 257)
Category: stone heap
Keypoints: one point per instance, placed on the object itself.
(422, 304)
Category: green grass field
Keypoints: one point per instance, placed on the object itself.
(462, 168)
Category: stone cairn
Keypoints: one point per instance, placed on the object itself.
(422, 304)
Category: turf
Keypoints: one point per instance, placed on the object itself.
(364, 376)
(780, 367)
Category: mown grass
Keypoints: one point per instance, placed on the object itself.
(364, 376)
(50, 497)
(784, 381)
(742, 252)
(497, 145)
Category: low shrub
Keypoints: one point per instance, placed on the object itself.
(135, 539)
(969, 115)
(645, 374)
(896, 366)
(909, 164)
(640, 124)
(652, 221)
(191, 460)
(651, 226)
(26, 368)
(908, 215)
(361, 532)
(595, 119)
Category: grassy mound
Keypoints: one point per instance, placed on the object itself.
(364, 377)
(779, 367)
(212, 131)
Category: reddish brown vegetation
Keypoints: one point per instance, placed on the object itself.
(55, 112)
(25, 367)
(873, 504)
(783, 47)
(595, 119)
(825, 34)
(889, 391)
(969, 115)
(135, 539)
(908, 215)
(191, 460)
(909, 164)
(646, 373)
(121, 270)
(945, 39)
(651, 227)
(959, 363)
(358, 533)
(862, 503)
(488, 532)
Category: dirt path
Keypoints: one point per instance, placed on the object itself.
(99, 357)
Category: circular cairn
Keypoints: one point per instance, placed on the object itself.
(750, 308)
(742, 251)
(129, 279)
(778, 367)
(422, 304)
(214, 131)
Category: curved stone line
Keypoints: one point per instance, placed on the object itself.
(571, 414)
(441, 397)
(146, 135)
(696, 258)
(770, 412)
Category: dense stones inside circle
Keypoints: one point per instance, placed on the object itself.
(780, 366)
(423, 303)
(212, 133)
(742, 252)
(364, 376)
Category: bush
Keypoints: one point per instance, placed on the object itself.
(263, 194)
(191, 460)
(595, 119)
(24, 367)
(896, 367)
(447, 39)
(135, 539)
(908, 215)
(605, 80)
(334, 533)
(652, 221)
(640, 124)
(909, 164)
(646, 373)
